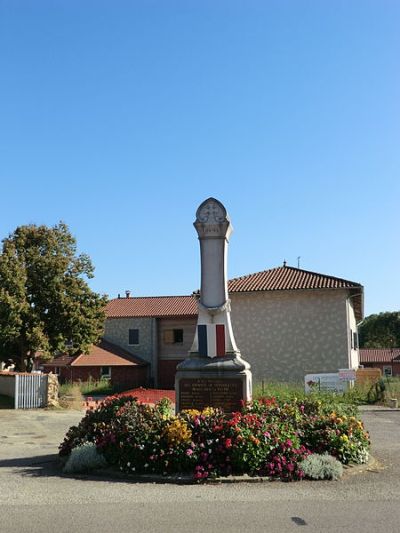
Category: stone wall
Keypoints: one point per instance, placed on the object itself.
(117, 332)
(52, 390)
(287, 334)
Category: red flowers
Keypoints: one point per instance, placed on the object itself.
(228, 443)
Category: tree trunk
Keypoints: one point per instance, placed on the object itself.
(20, 364)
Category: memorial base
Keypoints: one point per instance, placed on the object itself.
(221, 382)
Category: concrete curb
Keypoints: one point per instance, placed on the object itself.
(373, 465)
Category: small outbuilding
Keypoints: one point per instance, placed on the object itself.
(387, 359)
(104, 361)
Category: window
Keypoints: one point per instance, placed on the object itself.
(57, 370)
(133, 336)
(105, 372)
(354, 340)
(173, 336)
(387, 371)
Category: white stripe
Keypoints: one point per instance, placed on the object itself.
(211, 340)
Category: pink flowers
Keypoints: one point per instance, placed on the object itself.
(189, 452)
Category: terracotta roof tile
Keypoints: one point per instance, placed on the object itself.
(107, 354)
(152, 306)
(103, 354)
(60, 360)
(379, 355)
(288, 278)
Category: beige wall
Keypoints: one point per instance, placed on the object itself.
(177, 350)
(287, 334)
(352, 327)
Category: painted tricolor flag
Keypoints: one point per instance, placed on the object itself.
(211, 340)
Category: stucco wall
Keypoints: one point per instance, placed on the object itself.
(176, 350)
(287, 334)
(352, 328)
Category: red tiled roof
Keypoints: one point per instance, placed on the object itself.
(103, 354)
(288, 278)
(60, 360)
(291, 278)
(152, 306)
(280, 278)
(379, 355)
(107, 354)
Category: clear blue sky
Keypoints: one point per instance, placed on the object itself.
(119, 118)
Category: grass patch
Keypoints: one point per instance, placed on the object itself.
(70, 397)
(93, 387)
(361, 393)
(392, 388)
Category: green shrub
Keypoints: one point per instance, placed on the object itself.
(316, 466)
(83, 459)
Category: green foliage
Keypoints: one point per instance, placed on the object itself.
(317, 466)
(278, 389)
(83, 459)
(380, 331)
(289, 392)
(45, 301)
(393, 387)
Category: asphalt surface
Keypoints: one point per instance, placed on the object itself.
(34, 497)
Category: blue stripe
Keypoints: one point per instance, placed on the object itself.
(202, 334)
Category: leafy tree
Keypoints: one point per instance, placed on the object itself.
(380, 331)
(46, 304)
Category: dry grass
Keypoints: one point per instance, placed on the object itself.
(72, 398)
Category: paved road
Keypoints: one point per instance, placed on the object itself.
(35, 498)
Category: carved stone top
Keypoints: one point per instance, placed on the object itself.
(211, 211)
(212, 220)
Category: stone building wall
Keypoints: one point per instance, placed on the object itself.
(117, 331)
(287, 334)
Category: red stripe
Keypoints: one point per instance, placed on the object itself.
(220, 334)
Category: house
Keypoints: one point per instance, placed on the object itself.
(387, 359)
(105, 360)
(159, 329)
(287, 322)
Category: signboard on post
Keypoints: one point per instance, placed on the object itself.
(347, 374)
(324, 382)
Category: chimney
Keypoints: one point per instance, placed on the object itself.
(119, 296)
(128, 294)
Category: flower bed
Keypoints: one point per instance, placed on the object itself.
(267, 437)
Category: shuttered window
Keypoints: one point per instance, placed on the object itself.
(173, 336)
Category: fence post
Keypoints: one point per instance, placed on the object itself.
(16, 391)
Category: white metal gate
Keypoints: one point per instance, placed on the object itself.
(30, 391)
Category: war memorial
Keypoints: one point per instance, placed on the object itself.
(214, 374)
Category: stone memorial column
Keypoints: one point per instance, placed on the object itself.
(214, 374)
